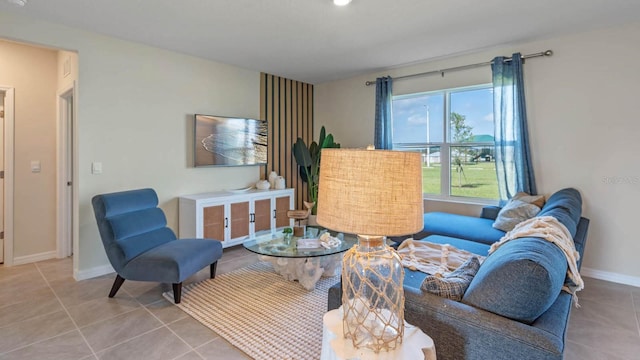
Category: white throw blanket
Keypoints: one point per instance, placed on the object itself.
(552, 230)
(433, 259)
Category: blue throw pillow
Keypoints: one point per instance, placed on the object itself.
(520, 280)
(453, 285)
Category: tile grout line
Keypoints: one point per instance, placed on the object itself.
(208, 342)
(36, 342)
(129, 339)
(173, 332)
(66, 311)
(134, 337)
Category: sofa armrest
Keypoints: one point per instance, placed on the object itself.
(580, 239)
(490, 212)
(461, 331)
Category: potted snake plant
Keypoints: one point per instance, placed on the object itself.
(308, 160)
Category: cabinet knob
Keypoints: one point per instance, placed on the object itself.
(226, 222)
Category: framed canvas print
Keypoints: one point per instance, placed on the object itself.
(229, 141)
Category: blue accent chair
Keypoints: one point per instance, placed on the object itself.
(141, 247)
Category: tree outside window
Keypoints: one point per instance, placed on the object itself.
(453, 129)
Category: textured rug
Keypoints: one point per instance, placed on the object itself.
(260, 313)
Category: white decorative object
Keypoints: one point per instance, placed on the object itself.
(327, 241)
(263, 185)
(307, 271)
(272, 179)
(415, 345)
(280, 183)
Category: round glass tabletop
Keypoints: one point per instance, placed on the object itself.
(275, 244)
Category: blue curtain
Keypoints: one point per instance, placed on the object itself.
(384, 93)
(513, 157)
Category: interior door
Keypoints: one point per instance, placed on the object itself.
(69, 173)
(2, 176)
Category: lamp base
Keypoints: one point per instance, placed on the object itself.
(372, 295)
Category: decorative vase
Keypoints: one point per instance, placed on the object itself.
(272, 179)
(263, 185)
(288, 239)
(372, 295)
(280, 183)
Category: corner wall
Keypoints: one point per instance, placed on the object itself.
(583, 125)
(135, 107)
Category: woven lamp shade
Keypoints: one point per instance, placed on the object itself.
(371, 192)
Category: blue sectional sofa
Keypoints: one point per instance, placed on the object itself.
(514, 307)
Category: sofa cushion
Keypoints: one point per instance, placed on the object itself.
(520, 280)
(514, 213)
(453, 285)
(462, 227)
(566, 206)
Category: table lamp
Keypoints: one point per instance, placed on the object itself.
(373, 194)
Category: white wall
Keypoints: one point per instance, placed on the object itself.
(583, 122)
(134, 109)
(31, 71)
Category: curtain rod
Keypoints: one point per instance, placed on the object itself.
(464, 67)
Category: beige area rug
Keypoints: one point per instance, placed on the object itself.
(260, 312)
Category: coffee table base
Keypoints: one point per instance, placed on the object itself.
(307, 271)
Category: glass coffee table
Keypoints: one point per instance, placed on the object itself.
(306, 265)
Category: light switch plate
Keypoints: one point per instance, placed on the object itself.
(35, 166)
(96, 168)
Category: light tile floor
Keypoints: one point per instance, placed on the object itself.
(44, 313)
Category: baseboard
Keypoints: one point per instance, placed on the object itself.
(27, 259)
(92, 272)
(610, 276)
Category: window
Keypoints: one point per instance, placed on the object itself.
(453, 129)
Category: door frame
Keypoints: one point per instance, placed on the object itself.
(65, 214)
(9, 113)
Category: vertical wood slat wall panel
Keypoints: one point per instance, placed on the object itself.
(287, 106)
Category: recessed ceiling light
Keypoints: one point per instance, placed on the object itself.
(18, 2)
(341, 2)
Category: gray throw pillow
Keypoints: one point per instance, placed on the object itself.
(514, 213)
(453, 285)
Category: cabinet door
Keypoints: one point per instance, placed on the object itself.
(213, 222)
(261, 215)
(283, 204)
(239, 219)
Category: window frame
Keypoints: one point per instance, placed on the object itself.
(446, 146)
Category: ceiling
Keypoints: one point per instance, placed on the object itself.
(315, 41)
